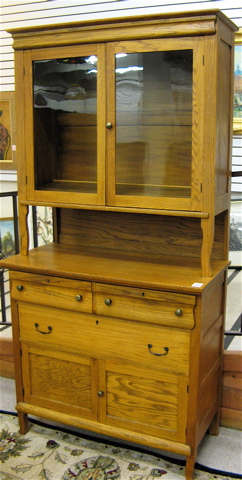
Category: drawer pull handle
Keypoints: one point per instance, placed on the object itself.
(178, 312)
(107, 301)
(158, 354)
(100, 393)
(20, 287)
(78, 298)
(43, 333)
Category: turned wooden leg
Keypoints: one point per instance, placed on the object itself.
(23, 423)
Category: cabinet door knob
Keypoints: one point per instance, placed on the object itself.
(109, 125)
(78, 298)
(178, 312)
(100, 393)
(20, 287)
(107, 301)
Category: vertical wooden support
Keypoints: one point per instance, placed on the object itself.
(23, 227)
(207, 225)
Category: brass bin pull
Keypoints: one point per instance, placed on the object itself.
(157, 354)
(43, 333)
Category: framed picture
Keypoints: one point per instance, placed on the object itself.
(7, 237)
(7, 132)
(237, 125)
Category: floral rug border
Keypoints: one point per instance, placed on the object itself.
(137, 451)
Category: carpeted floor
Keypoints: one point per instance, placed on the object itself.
(48, 453)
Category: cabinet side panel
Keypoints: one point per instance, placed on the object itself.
(224, 119)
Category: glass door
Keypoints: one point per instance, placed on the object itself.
(66, 157)
(152, 128)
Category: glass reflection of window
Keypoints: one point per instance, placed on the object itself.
(60, 81)
(153, 123)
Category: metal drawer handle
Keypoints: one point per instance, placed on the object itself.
(178, 312)
(20, 287)
(43, 333)
(158, 354)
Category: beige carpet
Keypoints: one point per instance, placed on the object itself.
(48, 454)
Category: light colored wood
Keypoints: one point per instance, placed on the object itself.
(7, 367)
(127, 340)
(196, 24)
(231, 403)
(77, 298)
(182, 275)
(138, 355)
(68, 419)
(6, 358)
(231, 418)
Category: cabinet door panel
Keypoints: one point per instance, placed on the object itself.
(155, 103)
(144, 401)
(59, 381)
(66, 154)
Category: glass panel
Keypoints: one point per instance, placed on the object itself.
(65, 124)
(154, 123)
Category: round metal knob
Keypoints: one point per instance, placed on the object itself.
(78, 298)
(109, 125)
(107, 301)
(100, 393)
(178, 312)
(20, 287)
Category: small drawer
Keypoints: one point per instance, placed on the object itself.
(150, 346)
(149, 306)
(52, 291)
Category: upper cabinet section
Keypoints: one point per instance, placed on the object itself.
(117, 119)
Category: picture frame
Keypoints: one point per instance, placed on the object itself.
(7, 236)
(7, 131)
(237, 120)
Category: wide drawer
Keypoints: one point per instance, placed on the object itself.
(52, 291)
(152, 346)
(142, 305)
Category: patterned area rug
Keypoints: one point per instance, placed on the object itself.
(48, 454)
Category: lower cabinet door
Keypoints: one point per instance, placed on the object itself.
(144, 401)
(60, 381)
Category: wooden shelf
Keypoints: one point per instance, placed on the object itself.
(171, 274)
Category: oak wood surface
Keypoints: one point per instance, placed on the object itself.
(117, 268)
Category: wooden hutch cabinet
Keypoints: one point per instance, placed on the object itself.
(124, 128)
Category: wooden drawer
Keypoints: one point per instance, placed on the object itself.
(150, 306)
(52, 291)
(102, 337)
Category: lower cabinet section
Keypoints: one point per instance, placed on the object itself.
(137, 364)
(118, 394)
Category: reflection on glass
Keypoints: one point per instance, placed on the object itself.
(65, 124)
(154, 123)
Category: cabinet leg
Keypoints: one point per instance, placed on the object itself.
(214, 426)
(190, 464)
(23, 423)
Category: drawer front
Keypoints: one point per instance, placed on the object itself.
(145, 306)
(151, 346)
(53, 292)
